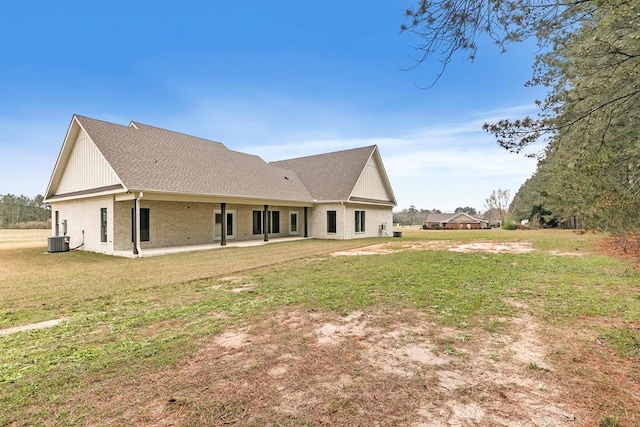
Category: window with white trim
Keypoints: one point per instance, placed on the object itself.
(359, 222)
(257, 222)
(103, 225)
(332, 223)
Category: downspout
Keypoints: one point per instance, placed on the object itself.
(344, 221)
(138, 249)
(134, 232)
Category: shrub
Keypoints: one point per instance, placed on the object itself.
(509, 225)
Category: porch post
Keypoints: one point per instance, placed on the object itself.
(223, 223)
(305, 222)
(265, 222)
(134, 226)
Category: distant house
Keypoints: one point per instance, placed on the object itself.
(456, 221)
(124, 189)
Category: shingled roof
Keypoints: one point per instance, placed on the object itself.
(330, 176)
(143, 158)
(148, 158)
(448, 217)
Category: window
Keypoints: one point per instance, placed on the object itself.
(230, 231)
(257, 222)
(274, 222)
(331, 222)
(103, 224)
(144, 224)
(359, 221)
(229, 224)
(293, 222)
(218, 221)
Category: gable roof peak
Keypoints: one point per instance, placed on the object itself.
(148, 158)
(331, 176)
(369, 148)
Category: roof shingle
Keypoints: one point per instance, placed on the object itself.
(148, 158)
(330, 176)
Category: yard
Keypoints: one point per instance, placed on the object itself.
(501, 328)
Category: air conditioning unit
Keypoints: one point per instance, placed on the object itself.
(58, 244)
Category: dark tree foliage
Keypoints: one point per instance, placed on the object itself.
(539, 216)
(590, 119)
(467, 209)
(446, 27)
(591, 165)
(21, 209)
(592, 77)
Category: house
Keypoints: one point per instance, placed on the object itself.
(125, 189)
(455, 221)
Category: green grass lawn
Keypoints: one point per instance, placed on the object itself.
(128, 317)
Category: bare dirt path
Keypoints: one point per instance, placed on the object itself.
(32, 326)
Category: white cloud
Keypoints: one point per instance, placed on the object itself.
(445, 166)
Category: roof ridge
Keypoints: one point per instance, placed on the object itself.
(328, 153)
(176, 132)
(81, 117)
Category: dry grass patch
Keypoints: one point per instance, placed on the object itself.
(14, 239)
(33, 282)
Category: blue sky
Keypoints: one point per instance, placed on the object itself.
(278, 79)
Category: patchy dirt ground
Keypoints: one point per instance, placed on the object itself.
(375, 369)
(623, 247)
(390, 247)
(383, 369)
(380, 369)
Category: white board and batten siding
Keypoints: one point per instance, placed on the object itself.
(86, 168)
(371, 184)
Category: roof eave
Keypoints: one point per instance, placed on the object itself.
(216, 198)
(94, 192)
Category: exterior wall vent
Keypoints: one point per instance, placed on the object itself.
(58, 244)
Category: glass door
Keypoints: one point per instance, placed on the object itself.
(293, 223)
(229, 224)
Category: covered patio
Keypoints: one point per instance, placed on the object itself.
(204, 247)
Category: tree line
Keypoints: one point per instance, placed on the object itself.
(22, 211)
(588, 174)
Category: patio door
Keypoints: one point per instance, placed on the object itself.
(230, 224)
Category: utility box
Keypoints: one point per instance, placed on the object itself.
(58, 244)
